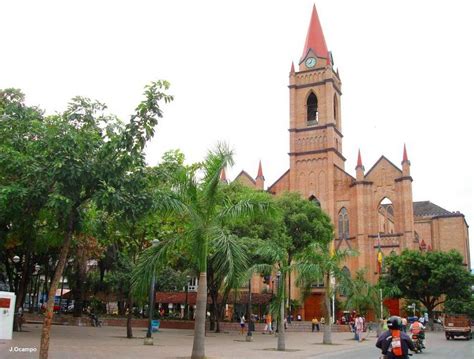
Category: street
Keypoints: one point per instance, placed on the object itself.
(437, 347)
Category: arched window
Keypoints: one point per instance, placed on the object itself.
(312, 109)
(343, 224)
(313, 199)
(386, 216)
(335, 108)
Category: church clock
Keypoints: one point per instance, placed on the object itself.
(310, 62)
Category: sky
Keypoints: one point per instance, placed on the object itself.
(406, 69)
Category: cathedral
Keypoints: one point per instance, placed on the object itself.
(373, 211)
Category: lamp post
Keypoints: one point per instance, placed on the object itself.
(281, 323)
(249, 331)
(186, 307)
(149, 339)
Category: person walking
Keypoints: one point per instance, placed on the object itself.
(242, 324)
(314, 324)
(269, 324)
(359, 328)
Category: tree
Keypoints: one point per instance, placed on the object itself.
(24, 185)
(424, 276)
(303, 225)
(90, 154)
(319, 262)
(460, 306)
(203, 211)
(304, 222)
(361, 295)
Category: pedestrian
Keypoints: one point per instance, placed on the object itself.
(359, 328)
(322, 321)
(242, 324)
(268, 326)
(314, 324)
(404, 324)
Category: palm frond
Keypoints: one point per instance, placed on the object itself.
(246, 208)
(229, 259)
(149, 263)
(215, 161)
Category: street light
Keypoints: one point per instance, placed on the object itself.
(149, 339)
(16, 259)
(186, 307)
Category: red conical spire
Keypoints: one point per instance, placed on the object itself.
(292, 70)
(315, 38)
(223, 175)
(359, 160)
(405, 156)
(260, 172)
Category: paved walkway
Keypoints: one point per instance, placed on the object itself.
(110, 342)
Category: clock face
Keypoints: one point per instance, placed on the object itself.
(310, 62)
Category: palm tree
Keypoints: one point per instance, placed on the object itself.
(276, 257)
(203, 210)
(361, 295)
(318, 262)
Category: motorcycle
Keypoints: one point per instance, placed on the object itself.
(418, 342)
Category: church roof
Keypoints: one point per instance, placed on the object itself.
(244, 174)
(315, 38)
(428, 209)
(379, 160)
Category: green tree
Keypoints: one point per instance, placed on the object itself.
(303, 225)
(304, 222)
(460, 306)
(361, 295)
(24, 185)
(91, 154)
(203, 211)
(319, 262)
(424, 277)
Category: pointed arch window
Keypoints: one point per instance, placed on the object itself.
(343, 224)
(314, 200)
(335, 108)
(386, 216)
(312, 109)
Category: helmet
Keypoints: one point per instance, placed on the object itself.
(394, 322)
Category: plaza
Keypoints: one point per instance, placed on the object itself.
(110, 342)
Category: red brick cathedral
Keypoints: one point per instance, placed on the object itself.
(373, 211)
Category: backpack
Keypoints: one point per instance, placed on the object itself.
(396, 343)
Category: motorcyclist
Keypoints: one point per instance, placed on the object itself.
(394, 343)
(418, 328)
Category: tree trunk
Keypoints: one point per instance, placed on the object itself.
(81, 277)
(200, 321)
(21, 293)
(129, 316)
(45, 333)
(281, 323)
(327, 337)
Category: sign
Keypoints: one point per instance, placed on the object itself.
(4, 302)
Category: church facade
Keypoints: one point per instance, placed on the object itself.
(373, 211)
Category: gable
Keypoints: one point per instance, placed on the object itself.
(245, 179)
(383, 171)
(282, 184)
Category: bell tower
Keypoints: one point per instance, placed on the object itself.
(315, 119)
